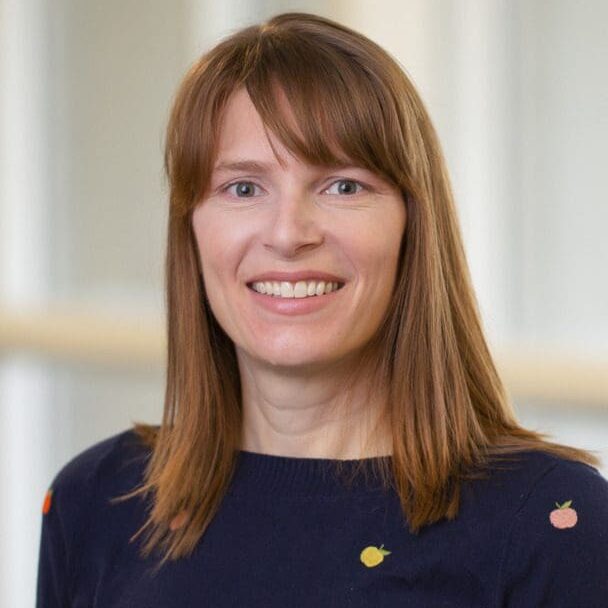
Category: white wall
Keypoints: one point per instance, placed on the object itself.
(563, 49)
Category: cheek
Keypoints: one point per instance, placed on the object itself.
(216, 264)
(376, 244)
(393, 229)
(217, 244)
(374, 251)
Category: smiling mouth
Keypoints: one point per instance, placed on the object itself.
(299, 289)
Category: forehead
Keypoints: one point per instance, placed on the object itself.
(242, 133)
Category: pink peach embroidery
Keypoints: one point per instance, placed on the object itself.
(179, 520)
(564, 516)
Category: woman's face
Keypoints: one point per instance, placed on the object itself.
(278, 224)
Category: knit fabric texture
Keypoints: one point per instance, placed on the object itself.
(290, 533)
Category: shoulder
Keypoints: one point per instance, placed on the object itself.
(85, 485)
(519, 478)
(566, 506)
(556, 552)
(561, 481)
(566, 500)
(113, 461)
(78, 528)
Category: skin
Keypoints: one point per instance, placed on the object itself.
(291, 216)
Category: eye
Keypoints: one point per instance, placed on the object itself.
(243, 189)
(345, 186)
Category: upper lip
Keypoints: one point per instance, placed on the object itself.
(293, 277)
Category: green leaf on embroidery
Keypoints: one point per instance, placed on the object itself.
(566, 504)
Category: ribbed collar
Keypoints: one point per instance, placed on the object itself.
(266, 474)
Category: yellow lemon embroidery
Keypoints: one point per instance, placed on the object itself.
(372, 556)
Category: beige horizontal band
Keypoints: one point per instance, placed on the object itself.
(73, 334)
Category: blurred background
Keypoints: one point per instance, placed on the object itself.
(518, 91)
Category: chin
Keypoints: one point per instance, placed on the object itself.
(298, 358)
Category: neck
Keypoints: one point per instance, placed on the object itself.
(311, 415)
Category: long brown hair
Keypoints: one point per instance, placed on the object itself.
(449, 412)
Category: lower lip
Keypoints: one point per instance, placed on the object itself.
(293, 306)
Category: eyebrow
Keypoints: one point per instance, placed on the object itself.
(251, 166)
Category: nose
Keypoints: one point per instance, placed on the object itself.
(294, 225)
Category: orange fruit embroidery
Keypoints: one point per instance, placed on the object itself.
(564, 516)
(372, 556)
(48, 499)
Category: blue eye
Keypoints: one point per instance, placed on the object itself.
(243, 189)
(346, 186)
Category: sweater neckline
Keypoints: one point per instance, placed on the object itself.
(269, 474)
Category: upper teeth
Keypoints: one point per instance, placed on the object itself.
(301, 289)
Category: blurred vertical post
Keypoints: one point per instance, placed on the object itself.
(24, 386)
(484, 98)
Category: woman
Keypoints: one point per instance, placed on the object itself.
(335, 432)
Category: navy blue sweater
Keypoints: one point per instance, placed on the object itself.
(288, 534)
